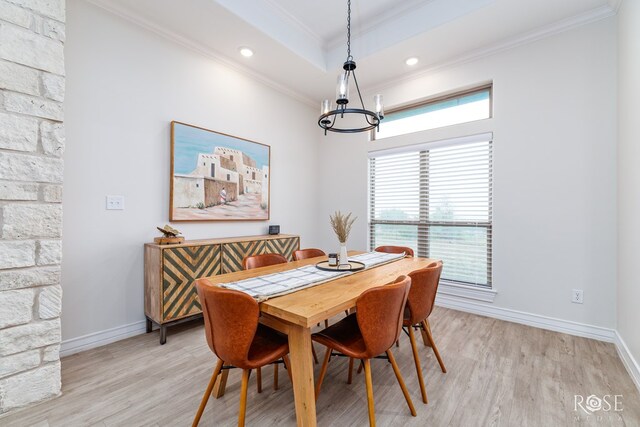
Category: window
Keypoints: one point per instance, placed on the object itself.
(452, 110)
(436, 199)
(228, 177)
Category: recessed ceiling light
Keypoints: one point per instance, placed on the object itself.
(411, 61)
(246, 52)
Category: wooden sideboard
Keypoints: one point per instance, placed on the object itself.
(170, 271)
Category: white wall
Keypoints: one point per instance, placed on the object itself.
(554, 167)
(629, 175)
(124, 86)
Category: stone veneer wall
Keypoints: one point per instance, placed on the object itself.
(32, 83)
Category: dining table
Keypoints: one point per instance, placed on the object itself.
(296, 313)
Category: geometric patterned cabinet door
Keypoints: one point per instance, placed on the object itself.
(234, 253)
(182, 266)
(171, 270)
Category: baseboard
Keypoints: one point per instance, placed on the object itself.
(628, 360)
(98, 339)
(529, 319)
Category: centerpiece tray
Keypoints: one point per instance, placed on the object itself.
(352, 266)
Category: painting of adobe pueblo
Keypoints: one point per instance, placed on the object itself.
(217, 177)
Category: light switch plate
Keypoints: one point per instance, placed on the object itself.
(115, 203)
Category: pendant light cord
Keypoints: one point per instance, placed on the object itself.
(349, 57)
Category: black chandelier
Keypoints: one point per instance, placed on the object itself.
(329, 118)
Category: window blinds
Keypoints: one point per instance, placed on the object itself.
(436, 199)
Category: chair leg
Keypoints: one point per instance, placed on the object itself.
(423, 332)
(315, 356)
(427, 329)
(401, 382)
(350, 370)
(221, 384)
(287, 365)
(275, 376)
(360, 367)
(243, 396)
(207, 393)
(416, 358)
(369, 383)
(323, 371)
(259, 379)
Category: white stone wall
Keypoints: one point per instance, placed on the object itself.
(32, 83)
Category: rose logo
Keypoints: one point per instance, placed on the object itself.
(594, 403)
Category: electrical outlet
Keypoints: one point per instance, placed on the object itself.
(577, 296)
(115, 203)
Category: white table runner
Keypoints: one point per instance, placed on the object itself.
(272, 285)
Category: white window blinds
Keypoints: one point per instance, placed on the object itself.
(436, 199)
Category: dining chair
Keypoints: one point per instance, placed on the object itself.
(264, 260)
(369, 332)
(237, 338)
(311, 253)
(424, 286)
(307, 253)
(395, 250)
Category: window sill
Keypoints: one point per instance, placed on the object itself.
(470, 292)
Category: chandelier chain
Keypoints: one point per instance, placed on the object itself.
(349, 30)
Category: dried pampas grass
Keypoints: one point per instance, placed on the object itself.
(342, 225)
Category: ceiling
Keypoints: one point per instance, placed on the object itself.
(299, 45)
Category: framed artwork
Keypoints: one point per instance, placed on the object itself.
(217, 177)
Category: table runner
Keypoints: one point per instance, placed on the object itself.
(277, 284)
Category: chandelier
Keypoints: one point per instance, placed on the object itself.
(329, 119)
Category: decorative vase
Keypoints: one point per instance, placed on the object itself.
(344, 257)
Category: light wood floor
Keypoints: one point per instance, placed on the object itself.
(500, 373)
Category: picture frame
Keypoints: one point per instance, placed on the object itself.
(217, 177)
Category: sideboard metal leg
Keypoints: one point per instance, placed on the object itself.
(163, 334)
(149, 325)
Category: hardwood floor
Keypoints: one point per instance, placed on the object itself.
(499, 374)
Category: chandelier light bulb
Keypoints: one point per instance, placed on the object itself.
(342, 89)
(377, 101)
(325, 106)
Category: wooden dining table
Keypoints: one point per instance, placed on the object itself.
(295, 314)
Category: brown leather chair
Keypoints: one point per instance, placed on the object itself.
(369, 332)
(235, 336)
(264, 260)
(257, 261)
(424, 285)
(395, 250)
(307, 253)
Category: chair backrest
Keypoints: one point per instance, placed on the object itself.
(395, 250)
(230, 321)
(307, 253)
(256, 261)
(379, 312)
(424, 285)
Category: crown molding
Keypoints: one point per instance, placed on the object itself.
(406, 7)
(615, 4)
(201, 49)
(593, 15)
(295, 22)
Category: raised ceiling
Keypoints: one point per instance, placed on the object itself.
(300, 45)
